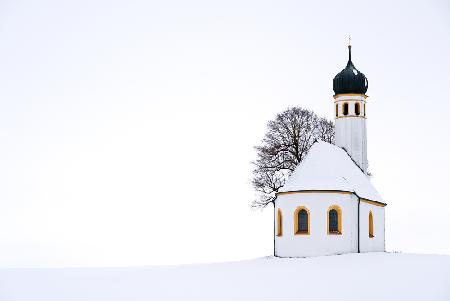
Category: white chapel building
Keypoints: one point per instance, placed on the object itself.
(328, 205)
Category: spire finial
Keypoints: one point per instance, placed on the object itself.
(349, 48)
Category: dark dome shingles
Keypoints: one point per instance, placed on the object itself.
(350, 80)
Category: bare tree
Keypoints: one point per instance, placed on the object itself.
(287, 141)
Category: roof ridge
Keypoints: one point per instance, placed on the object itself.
(352, 159)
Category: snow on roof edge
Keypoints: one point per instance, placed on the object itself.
(327, 191)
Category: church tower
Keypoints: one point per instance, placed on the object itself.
(328, 205)
(350, 87)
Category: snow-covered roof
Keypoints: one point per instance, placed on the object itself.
(328, 167)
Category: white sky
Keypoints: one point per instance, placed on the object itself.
(127, 127)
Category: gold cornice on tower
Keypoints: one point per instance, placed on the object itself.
(349, 100)
(350, 94)
(350, 116)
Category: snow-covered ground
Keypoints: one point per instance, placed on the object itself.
(372, 276)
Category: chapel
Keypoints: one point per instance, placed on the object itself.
(328, 205)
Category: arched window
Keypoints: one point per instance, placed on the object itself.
(364, 110)
(279, 223)
(357, 109)
(301, 221)
(337, 110)
(334, 220)
(345, 109)
(371, 225)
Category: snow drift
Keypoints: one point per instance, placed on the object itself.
(370, 276)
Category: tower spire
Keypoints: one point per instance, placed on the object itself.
(349, 48)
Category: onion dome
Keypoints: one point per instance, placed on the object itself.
(350, 80)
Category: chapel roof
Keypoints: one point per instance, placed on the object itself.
(328, 167)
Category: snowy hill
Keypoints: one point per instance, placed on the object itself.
(372, 276)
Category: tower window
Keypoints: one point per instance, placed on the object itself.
(357, 109)
(279, 223)
(334, 220)
(345, 109)
(301, 221)
(371, 225)
(364, 110)
(337, 110)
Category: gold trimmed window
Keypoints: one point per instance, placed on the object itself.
(337, 110)
(334, 220)
(364, 110)
(357, 109)
(345, 108)
(279, 223)
(301, 221)
(371, 225)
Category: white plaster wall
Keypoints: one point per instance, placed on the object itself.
(377, 243)
(351, 132)
(351, 135)
(318, 242)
